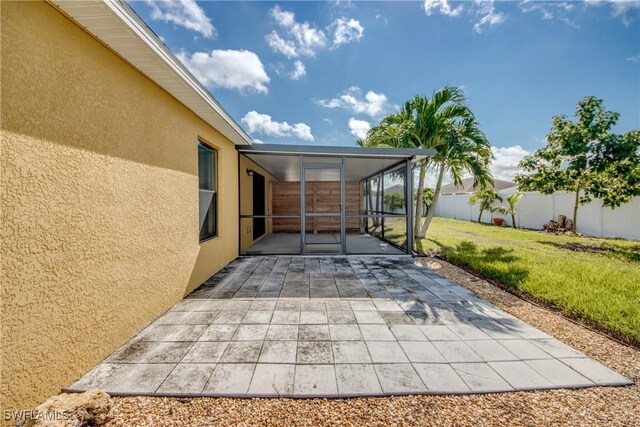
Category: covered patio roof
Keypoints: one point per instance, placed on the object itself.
(283, 161)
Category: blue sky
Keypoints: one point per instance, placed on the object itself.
(322, 72)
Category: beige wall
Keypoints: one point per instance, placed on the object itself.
(246, 199)
(99, 202)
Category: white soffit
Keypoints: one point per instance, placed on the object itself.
(118, 27)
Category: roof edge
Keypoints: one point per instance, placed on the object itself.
(336, 150)
(127, 16)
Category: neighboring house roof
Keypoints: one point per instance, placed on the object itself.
(119, 28)
(467, 186)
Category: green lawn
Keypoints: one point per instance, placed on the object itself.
(597, 280)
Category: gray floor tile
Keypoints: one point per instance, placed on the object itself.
(468, 332)
(218, 333)
(438, 333)
(313, 380)
(314, 352)
(362, 306)
(338, 306)
(263, 305)
(345, 333)
(205, 352)
(367, 317)
(274, 380)
(187, 378)
(456, 351)
(386, 352)
(520, 375)
(558, 373)
(399, 378)
(285, 317)
(278, 352)
(480, 377)
(357, 379)
(440, 378)
(350, 352)
(376, 333)
(191, 304)
(396, 318)
(341, 317)
(596, 372)
(313, 333)
(490, 351)
(407, 333)
(282, 332)
(242, 352)
(228, 317)
(167, 352)
(250, 332)
(172, 318)
(200, 318)
(421, 352)
(257, 317)
(313, 317)
(230, 379)
(556, 348)
(524, 349)
(127, 378)
(287, 305)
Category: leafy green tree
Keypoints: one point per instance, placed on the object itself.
(586, 158)
(511, 208)
(393, 202)
(484, 199)
(427, 198)
(445, 123)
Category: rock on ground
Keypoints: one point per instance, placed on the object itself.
(91, 408)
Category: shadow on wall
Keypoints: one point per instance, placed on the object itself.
(495, 263)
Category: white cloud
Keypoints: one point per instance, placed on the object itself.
(327, 120)
(346, 31)
(299, 71)
(257, 141)
(557, 10)
(488, 15)
(626, 10)
(441, 6)
(302, 39)
(229, 69)
(505, 164)
(185, 13)
(264, 124)
(372, 104)
(359, 128)
(633, 58)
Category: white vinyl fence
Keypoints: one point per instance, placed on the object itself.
(536, 209)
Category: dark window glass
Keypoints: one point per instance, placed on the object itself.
(208, 197)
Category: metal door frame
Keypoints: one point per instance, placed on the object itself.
(303, 213)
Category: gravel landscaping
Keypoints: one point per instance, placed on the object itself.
(611, 406)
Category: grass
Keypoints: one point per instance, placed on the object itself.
(595, 280)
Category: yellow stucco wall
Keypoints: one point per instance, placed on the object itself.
(99, 202)
(246, 200)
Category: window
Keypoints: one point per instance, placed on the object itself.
(208, 197)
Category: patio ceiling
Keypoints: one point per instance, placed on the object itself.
(283, 161)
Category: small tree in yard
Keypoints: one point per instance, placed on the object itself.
(485, 198)
(586, 158)
(511, 208)
(393, 202)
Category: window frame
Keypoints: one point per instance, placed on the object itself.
(214, 204)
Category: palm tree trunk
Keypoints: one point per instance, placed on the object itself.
(419, 198)
(513, 220)
(432, 208)
(480, 215)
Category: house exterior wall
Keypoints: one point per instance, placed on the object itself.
(246, 200)
(99, 202)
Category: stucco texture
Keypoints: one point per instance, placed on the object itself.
(99, 202)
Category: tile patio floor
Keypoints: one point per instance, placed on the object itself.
(338, 326)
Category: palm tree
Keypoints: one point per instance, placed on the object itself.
(512, 208)
(444, 123)
(485, 198)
